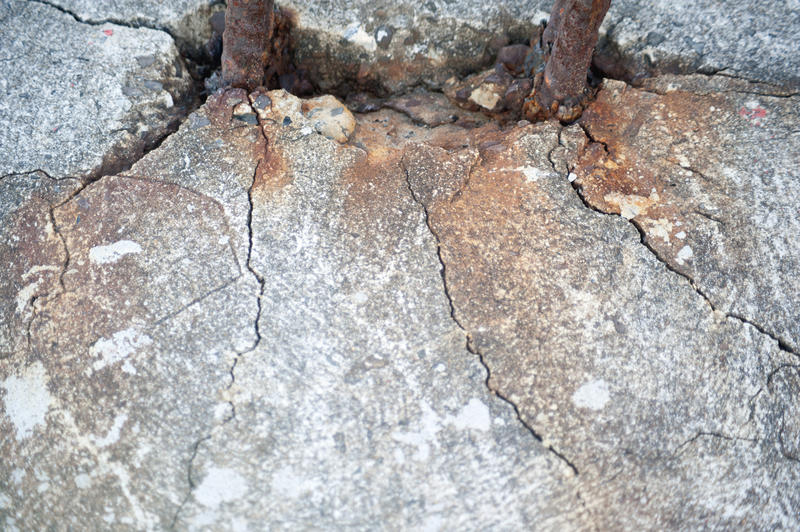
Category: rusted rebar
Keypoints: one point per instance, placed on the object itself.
(246, 42)
(562, 91)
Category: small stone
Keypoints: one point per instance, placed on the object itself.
(383, 35)
(153, 85)
(331, 118)
(145, 60)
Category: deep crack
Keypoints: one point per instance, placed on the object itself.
(469, 343)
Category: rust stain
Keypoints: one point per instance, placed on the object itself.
(645, 146)
(272, 172)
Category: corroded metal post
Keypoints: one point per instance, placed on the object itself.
(246, 42)
(561, 90)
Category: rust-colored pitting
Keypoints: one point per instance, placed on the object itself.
(219, 107)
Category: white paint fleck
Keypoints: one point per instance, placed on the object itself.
(83, 481)
(683, 161)
(423, 438)
(484, 97)
(572, 176)
(381, 34)
(475, 415)
(532, 173)
(113, 252)
(287, 482)
(220, 485)
(40, 268)
(630, 206)
(433, 523)
(684, 254)
(17, 475)
(661, 228)
(680, 235)
(128, 368)
(592, 395)
(356, 35)
(113, 432)
(27, 399)
(121, 345)
(399, 456)
(26, 294)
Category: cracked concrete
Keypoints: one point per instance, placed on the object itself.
(698, 146)
(289, 315)
(529, 322)
(118, 91)
(186, 21)
(469, 346)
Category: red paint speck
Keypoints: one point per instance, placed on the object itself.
(109, 32)
(753, 115)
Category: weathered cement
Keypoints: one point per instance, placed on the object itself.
(81, 100)
(708, 172)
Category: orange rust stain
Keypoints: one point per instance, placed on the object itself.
(272, 172)
(644, 143)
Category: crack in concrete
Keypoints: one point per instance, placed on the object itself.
(765, 89)
(709, 434)
(469, 344)
(256, 327)
(782, 345)
(192, 485)
(133, 24)
(196, 300)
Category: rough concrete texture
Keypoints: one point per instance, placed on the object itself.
(32, 251)
(352, 310)
(615, 361)
(103, 407)
(708, 171)
(749, 39)
(185, 20)
(294, 315)
(388, 47)
(82, 100)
